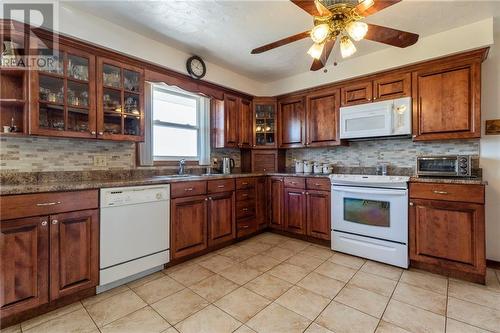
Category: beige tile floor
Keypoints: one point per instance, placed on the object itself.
(274, 284)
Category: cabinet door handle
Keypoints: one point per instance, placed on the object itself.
(209, 198)
(54, 222)
(188, 189)
(48, 203)
(206, 199)
(44, 223)
(101, 133)
(221, 186)
(245, 210)
(303, 192)
(411, 203)
(93, 132)
(440, 192)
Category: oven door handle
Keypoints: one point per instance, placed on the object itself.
(372, 191)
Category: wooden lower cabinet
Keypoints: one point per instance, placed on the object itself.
(221, 217)
(261, 202)
(448, 237)
(318, 214)
(275, 192)
(295, 211)
(24, 264)
(188, 225)
(74, 252)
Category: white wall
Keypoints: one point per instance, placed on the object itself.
(468, 37)
(91, 28)
(490, 146)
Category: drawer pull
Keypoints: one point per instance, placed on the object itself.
(317, 184)
(440, 192)
(244, 195)
(221, 186)
(293, 183)
(244, 227)
(48, 203)
(244, 183)
(244, 210)
(188, 189)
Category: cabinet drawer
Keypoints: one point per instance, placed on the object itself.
(186, 189)
(322, 184)
(246, 227)
(243, 183)
(295, 182)
(448, 192)
(25, 205)
(220, 185)
(245, 209)
(243, 195)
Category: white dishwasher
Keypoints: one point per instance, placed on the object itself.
(135, 233)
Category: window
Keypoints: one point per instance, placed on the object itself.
(179, 125)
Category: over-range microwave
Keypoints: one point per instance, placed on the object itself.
(380, 119)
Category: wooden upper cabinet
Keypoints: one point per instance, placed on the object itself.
(265, 126)
(291, 119)
(322, 118)
(318, 214)
(120, 101)
(392, 86)
(357, 93)
(188, 225)
(225, 122)
(246, 124)
(24, 264)
(446, 102)
(62, 94)
(74, 252)
(221, 218)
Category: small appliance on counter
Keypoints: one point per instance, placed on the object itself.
(227, 165)
(317, 167)
(447, 166)
(299, 166)
(308, 166)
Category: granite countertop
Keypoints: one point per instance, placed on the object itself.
(444, 180)
(83, 184)
(72, 185)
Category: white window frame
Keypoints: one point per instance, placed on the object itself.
(146, 153)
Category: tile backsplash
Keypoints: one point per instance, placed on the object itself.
(400, 153)
(38, 154)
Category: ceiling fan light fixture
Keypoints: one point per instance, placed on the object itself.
(316, 50)
(347, 47)
(320, 33)
(357, 30)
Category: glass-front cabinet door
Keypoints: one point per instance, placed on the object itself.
(63, 92)
(120, 101)
(264, 123)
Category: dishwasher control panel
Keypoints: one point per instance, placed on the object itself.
(120, 196)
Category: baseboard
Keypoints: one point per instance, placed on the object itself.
(493, 264)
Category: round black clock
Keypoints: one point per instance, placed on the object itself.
(196, 67)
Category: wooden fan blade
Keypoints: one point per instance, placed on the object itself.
(321, 62)
(390, 36)
(313, 7)
(282, 42)
(370, 7)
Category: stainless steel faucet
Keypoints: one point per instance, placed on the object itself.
(182, 164)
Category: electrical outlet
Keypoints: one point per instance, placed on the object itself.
(99, 160)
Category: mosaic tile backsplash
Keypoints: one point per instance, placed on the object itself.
(38, 154)
(399, 153)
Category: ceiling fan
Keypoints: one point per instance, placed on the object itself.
(341, 19)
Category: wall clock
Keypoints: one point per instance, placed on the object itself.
(196, 67)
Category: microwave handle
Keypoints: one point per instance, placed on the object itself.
(371, 191)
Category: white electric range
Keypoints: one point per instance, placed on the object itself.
(370, 217)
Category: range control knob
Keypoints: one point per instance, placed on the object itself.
(159, 196)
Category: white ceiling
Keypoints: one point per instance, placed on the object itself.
(224, 31)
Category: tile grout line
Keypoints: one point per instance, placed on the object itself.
(387, 305)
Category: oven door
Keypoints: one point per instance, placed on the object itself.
(372, 212)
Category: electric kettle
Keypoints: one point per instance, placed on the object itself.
(227, 165)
